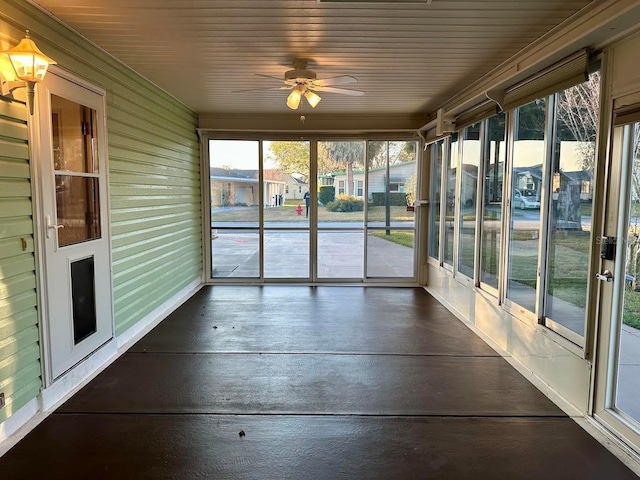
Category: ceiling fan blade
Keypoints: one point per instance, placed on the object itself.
(344, 91)
(284, 87)
(340, 80)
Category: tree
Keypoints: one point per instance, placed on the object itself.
(291, 157)
(531, 119)
(399, 152)
(577, 110)
(346, 153)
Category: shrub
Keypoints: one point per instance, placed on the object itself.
(326, 194)
(396, 199)
(345, 203)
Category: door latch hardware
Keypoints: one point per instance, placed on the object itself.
(51, 227)
(2, 401)
(607, 248)
(605, 276)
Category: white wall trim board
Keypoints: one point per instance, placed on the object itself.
(12, 430)
(136, 332)
(612, 443)
(28, 417)
(526, 372)
(606, 438)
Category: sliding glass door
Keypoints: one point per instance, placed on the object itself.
(341, 201)
(235, 201)
(391, 184)
(618, 356)
(318, 210)
(286, 235)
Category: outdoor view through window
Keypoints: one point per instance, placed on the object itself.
(266, 211)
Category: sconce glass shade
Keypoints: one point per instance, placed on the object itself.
(29, 63)
(293, 100)
(7, 73)
(312, 98)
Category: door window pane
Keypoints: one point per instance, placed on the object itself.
(471, 154)
(494, 156)
(450, 198)
(435, 199)
(74, 137)
(75, 161)
(526, 174)
(572, 171)
(628, 381)
(78, 209)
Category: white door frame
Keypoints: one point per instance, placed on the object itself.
(610, 298)
(37, 149)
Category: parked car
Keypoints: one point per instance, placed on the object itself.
(523, 201)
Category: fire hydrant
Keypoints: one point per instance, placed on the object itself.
(299, 209)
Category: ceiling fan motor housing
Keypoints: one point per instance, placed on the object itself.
(300, 74)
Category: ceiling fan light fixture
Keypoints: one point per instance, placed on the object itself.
(312, 98)
(293, 100)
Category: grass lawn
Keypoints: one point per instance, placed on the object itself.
(631, 308)
(401, 238)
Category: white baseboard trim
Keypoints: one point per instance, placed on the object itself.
(526, 372)
(11, 430)
(136, 332)
(16, 427)
(606, 438)
(69, 383)
(616, 446)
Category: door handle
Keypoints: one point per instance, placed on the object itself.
(52, 227)
(605, 276)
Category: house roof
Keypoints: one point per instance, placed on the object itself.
(299, 181)
(233, 173)
(391, 167)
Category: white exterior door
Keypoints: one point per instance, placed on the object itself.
(618, 356)
(76, 254)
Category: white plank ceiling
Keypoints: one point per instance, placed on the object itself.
(408, 57)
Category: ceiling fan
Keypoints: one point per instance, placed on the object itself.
(304, 83)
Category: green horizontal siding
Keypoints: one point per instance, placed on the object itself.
(20, 369)
(154, 173)
(154, 180)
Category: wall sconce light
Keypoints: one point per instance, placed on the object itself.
(28, 64)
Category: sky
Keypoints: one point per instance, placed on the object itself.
(240, 154)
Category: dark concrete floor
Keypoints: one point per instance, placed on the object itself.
(325, 383)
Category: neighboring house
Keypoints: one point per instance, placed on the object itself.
(235, 187)
(529, 179)
(295, 187)
(325, 179)
(399, 177)
(581, 180)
